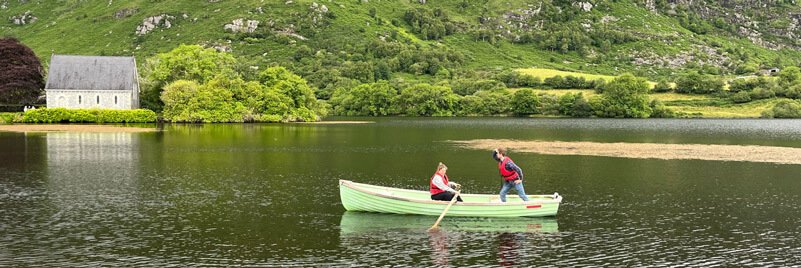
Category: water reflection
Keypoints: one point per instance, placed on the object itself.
(364, 222)
(91, 165)
(376, 236)
(508, 246)
(265, 195)
(438, 239)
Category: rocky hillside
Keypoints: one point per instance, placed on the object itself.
(340, 42)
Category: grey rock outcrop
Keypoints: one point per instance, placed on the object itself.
(125, 12)
(24, 18)
(151, 23)
(242, 26)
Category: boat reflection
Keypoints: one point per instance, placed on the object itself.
(364, 222)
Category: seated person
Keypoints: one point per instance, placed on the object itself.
(441, 188)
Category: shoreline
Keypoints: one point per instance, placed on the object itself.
(335, 122)
(73, 128)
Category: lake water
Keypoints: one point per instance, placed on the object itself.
(266, 195)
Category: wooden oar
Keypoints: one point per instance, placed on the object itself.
(436, 224)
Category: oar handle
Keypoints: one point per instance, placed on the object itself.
(455, 197)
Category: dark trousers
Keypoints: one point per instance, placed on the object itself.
(446, 196)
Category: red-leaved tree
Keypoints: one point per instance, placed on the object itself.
(21, 80)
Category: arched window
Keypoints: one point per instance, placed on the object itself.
(98, 99)
(79, 99)
(115, 100)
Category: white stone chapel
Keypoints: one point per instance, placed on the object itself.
(85, 82)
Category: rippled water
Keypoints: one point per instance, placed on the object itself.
(266, 195)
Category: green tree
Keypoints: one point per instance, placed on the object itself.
(740, 97)
(696, 83)
(304, 105)
(762, 93)
(467, 87)
(789, 76)
(784, 109)
(470, 105)
(362, 71)
(793, 92)
(186, 101)
(525, 102)
(581, 107)
(427, 100)
(660, 110)
(625, 96)
(382, 71)
(489, 103)
(662, 86)
(250, 94)
(364, 100)
(186, 62)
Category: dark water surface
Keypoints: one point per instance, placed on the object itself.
(266, 195)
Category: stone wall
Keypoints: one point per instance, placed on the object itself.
(88, 99)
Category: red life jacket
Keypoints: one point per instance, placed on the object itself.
(433, 188)
(508, 175)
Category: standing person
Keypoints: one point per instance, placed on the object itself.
(440, 186)
(512, 174)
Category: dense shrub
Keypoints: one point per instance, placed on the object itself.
(8, 118)
(659, 110)
(549, 104)
(762, 93)
(470, 105)
(429, 24)
(427, 100)
(186, 101)
(486, 103)
(571, 82)
(748, 84)
(696, 83)
(574, 105)
(279, 95)
(581, 107)
(364, 100)
(792, 91)
(514, 78)
(62, 115)
(662, 86)
(740, 97)
(293, 86)
(784, 109)
(525, 102)
(186, 62)
(626, 96)
(466, 87)
(789, 76)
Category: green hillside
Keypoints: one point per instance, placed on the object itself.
(485, 32)
(335, 44)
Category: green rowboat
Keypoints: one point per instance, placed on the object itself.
(371, 198)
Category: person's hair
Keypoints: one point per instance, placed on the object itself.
(502, 150)
(441, 166)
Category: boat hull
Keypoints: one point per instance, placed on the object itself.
(370, 198)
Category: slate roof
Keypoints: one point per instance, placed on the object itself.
(92, 73)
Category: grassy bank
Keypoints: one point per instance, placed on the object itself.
(10, 118)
